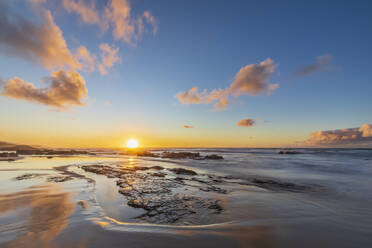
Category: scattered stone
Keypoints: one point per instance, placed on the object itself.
(183, 171)
(59, 179)
(83, 204)
(28, 176)
(214, 189)
(155, 174)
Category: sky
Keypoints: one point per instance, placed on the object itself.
(78, 73)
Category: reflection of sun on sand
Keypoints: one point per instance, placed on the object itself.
(50, 208)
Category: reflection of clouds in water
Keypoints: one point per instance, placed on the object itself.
(49, 210)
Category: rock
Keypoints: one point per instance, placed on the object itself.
(146, 154)
(216, 206)
(276, 185)
(214, 189)
(8, 154)
(28, 176)
(140, 168)
(83, 204)
(213, 156)
(59, 179)
(180, 155)
(155, 174)
(182, 171)
(135, 203)
(157, 167)
(154, 192)
(289, 152)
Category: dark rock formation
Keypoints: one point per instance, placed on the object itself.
(277, 185)
(180, 155)
(160, 194)
(28, 176)
(182, 171)
(59, 179)
(213, 156)
(8, 154)
(289, 152)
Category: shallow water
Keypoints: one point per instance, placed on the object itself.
(88, 211)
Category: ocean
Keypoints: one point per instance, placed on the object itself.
(250, 198)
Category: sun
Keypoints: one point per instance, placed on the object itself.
(132, 143)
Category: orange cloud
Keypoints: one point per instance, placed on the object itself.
(66, 89)
(193, 96)
(43, 42)
(88, 13)
(246, 123)
(250, 80)
(186, 126)
(342, 136)
(253, 79)
(109, 56)
(116, 14)
(87, 60)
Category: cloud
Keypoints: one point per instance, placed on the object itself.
(359, 135)
(366, 130)
(322, 62)
(116, 14)
(109, 56)
(250, 80)
(150, 19)
(88, 13)
(36, 1)
(246, 123)
(193, 96)
(253, 79)
(186, 126)
(42, 42)
(107, 103)
(87, 60)
(66, 89)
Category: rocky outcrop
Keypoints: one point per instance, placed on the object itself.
(289, 152)
(163, 196)
(182, 171)
(178, 155)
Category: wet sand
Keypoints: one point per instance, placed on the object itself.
(73, 202)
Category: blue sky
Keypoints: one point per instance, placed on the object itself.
(205, 44)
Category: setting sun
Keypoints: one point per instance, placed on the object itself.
(132, 143)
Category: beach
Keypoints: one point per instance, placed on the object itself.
(247, 198)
